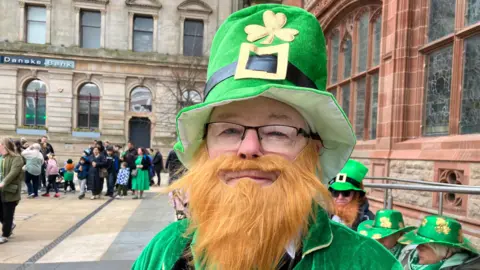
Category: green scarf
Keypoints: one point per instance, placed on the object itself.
(397, 250)
(414, 265)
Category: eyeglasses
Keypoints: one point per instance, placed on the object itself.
(345, 193)
(273, 138)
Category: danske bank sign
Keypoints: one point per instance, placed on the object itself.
(35, 61)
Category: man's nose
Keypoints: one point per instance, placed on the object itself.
(250, 147)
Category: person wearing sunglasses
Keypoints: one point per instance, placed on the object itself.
(257, 150)
(351, 204)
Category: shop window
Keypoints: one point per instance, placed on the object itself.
(35, 103)
(88, 106)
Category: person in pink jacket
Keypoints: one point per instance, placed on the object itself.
(52, 174)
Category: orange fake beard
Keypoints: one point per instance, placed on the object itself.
(349, 212)
(247, 226)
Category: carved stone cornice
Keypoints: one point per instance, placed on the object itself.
(195, 6)
(151, 4)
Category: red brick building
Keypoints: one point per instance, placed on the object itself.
(408, 75)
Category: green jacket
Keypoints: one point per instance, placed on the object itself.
(12, 177)
(328, 246)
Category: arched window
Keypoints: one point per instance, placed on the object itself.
(88, 106)
(191, 97)
(35, 104)
(354, 46)
(141, 100)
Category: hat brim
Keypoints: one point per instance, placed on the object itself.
(319, 108)
(338, 186)
(366, 228)
(413, 238)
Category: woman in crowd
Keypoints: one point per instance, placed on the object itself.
(96, 174)
(44, 151)
(141, 176)
(158, 165)
(440, 245)
(10, 187)
(33, 169)
(52, 175)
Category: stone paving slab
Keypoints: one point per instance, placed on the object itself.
(40, 221)
(151, 216)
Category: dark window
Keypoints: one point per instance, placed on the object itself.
(472, 12)
(88, 106)
(193, 38)
(442, 19)
(36, 24)
(470, 113)
(374, 107)
(90, 30)
(35, 104)
(347, 58)
(141, 100)
(437, 101)
(335, 44)
(142, 34)
(363, 37)
(360, 108)
(346, 99)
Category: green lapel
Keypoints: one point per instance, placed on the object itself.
(319, 235)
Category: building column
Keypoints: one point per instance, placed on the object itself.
(130, 30)
(21, 34)
(103, 30)
(49, 23)
(182, 29)
(77, 26)
(155, 33)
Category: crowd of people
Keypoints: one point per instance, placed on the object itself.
(122, 170)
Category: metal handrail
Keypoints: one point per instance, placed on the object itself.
(417, 182)
(388, 198)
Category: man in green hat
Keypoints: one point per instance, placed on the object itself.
(351, 204)
(387, 228)
(440, 245)
(256, 151)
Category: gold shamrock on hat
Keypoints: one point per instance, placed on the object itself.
(385, 222)
(442, 226)
(377, 236)
(274, 24)
(364, 233)
(424, 222)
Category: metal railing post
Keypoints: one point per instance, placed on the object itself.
(390, 199)
(385, 198)
(440, 203)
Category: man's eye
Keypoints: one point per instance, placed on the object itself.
(277, 134)
(231, 131)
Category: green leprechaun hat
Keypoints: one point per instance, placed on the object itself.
(387, 222)
(438, 230)
(278, 52)
(350, 177)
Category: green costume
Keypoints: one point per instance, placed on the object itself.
(386, 223)
(328, 246)
(142, 180)
(350, 177)
(277, 52)
(444, 231)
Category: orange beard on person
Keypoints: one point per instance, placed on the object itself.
(247, 226)
(349, 212)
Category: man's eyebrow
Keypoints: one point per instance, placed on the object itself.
(226, 115)
(274, 116)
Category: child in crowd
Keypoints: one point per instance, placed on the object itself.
(122, 181)
(52, 174)
(68, 176)
(82, 173)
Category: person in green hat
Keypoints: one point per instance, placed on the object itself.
(440, 245)
(351, 204)
(387, 228)
(257, 150)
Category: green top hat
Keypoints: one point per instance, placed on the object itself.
(438, 230)
(350, 177)
(278, 52)
(386, 223)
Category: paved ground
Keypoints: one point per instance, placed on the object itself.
(67, 233)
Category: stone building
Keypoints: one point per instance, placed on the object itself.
(406, 73)
(116, 70)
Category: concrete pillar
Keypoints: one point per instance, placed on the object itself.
(155, 33)
(103, 30)
(77, 26)
(48, 23)
(21, 33)
(130, 30)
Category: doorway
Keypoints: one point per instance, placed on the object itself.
(140, 128)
